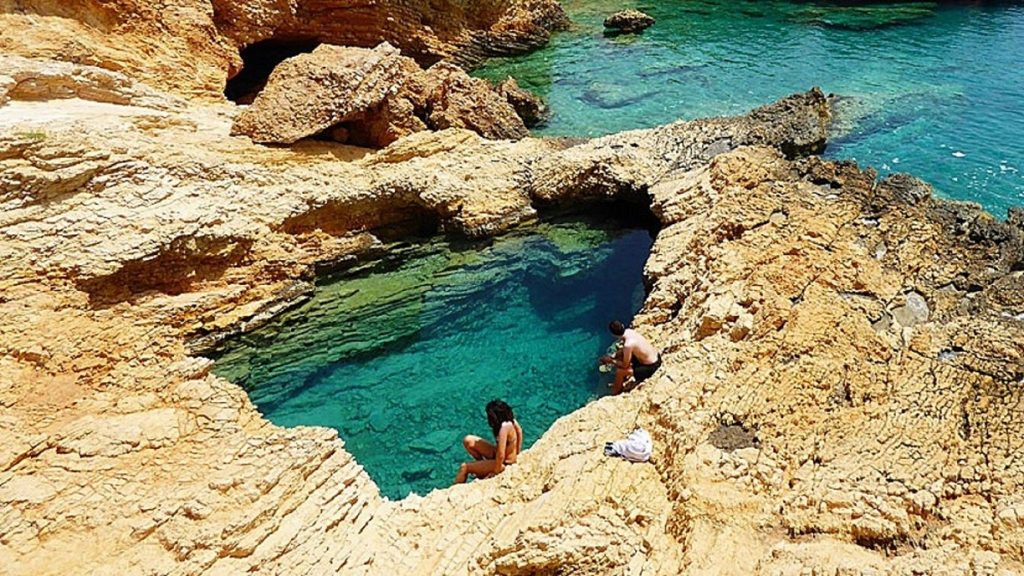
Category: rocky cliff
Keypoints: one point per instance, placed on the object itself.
(192, 47)
(841, 393)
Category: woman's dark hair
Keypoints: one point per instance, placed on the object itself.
(498, 413)
(616, 327)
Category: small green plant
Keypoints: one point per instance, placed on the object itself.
(35, 135)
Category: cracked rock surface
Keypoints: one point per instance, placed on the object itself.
(191, 47)
(841, 390)
(373, 97)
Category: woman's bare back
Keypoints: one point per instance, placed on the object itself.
(490, 459)
(513, 441)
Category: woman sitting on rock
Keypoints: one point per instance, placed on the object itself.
(490, 459)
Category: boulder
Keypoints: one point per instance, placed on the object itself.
(372, 97)
(457, 100)
(530, 107)
(628, 22)
(310, 93)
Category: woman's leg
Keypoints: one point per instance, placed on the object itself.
(480, 469)
(479, 448)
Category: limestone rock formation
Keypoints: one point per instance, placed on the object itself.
(857, 342)
(191, 47)
(373, 97)
(427, 31)
(455, 100)
(628, 22)
(312, 92)
(530, 107)
(40, 80)
(6, 84)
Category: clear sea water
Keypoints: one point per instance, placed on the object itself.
(401, 355)
(934, 90)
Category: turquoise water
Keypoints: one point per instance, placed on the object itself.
(401, 355)
(935, 90)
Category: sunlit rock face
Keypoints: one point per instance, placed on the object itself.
(374, 97)
(841, 386)
(425, 31)
(192, 47)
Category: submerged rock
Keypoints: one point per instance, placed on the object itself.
(434, 442)
(628, 22)
(864, 18)
(612, 96)
(417, 474)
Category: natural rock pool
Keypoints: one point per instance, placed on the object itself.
(402, 354)
(936, 90)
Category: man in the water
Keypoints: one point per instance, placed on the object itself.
(637, 358)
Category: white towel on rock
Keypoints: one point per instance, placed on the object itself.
(636, 447)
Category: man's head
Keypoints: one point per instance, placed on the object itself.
(616, 328)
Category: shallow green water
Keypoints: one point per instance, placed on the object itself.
(402, 356)
(934, 90)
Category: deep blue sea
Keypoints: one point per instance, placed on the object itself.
(935, 90)
(401, 356)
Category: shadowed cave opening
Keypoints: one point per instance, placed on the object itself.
(401, 354)
(258, 61)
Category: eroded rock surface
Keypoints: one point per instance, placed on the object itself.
(871, 433)
(455, 100)
(628, 22)
(530, 107)
(191, 47)
(373, 97)
(427, 31)
(310, 93)
(40, 80)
